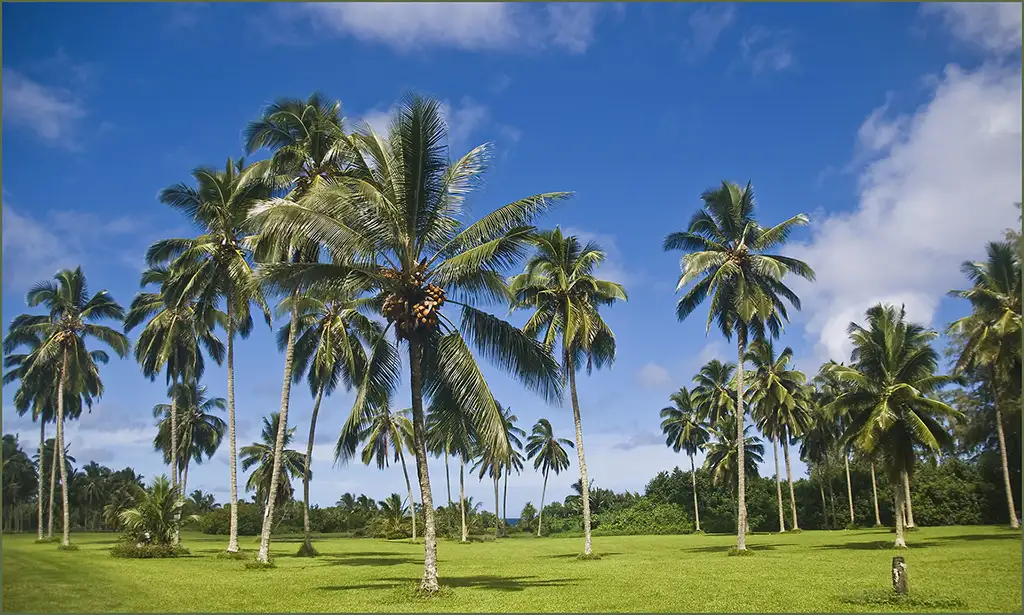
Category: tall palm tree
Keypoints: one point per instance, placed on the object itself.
(452, 427)
(396, 220)
(775, 387)
(828, 389)
(491, 463)
(685, 431)
(515, 458)
(64, 330)
(727, 257)
(261, 456)
(991, 336)
(723, 459)
(384, 435)
(200, 431)
(329, 338)
(714, 391)
(889, 396)
(548, 456)
(560, 287)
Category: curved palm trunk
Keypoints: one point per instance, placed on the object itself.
(53, 487)
(42, 473)
(282, 430)
(789, 479)
(66, 539)
(307, 538)
(408, 486)
(778, 482)
(540, 513)
(849, 487)
(497, 510)
(874, 492)
(741, 539)
(900, 541)
(910, 508)
(429, 583)
(462, 497)
(232, 443)
(693, 482)
(1014, 522)
(824, 507)
(584, 486)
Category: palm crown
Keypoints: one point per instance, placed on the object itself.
(683, 430)
(546, 450)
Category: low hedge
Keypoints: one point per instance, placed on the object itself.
(130, 550)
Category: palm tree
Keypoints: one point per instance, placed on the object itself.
(685, 431)
(451, 427)
(775, 388)
(393, 509)
(828, 389)
(723, 458)
(71, 320)
(727, 256)
(261, 455)
(329, 337)
(991, 335)
(217, 264)
(714, 393)
(515, 459)
(559, 285)
(157, 515)
(548, 456)
(889, 396)
(202, 502)
(396, 217)
(385, 435)
(47, 461)
(200, 431)
(490, 463)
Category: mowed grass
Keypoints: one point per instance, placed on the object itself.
(950, 569)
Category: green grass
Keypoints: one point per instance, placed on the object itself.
(950, 569)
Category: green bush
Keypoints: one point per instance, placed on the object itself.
(250, 520)
(131, 550)
(644, 517)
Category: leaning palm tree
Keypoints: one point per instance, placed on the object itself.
(685, 431)
(395, 221)
(548, 456)
(200, 431)
(261, 456)
(991, 336)
(559, 285)
(63, 332)
(728, 259)
(889, 396)
(217, 265)
(775, 388)
(384, 435)
(723, 459)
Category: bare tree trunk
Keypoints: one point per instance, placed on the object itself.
(693, 482)
(462, 497)
(741, 526)
(42, 474)
(282, 430)
(1014, 523)
(540, 512)
(849, 486)
(307, 537)
(408, 486)
(584, 486)
(789, 479)
(174, 453)
(184, 478)
(900, 541)
(504, 502)
(910, 508)
(232, 443)
(497, 510)
(447, 476)
(778, 482)
(429, 583)
(874, 492)
(824, 507)
(53, 486)
(66, 539)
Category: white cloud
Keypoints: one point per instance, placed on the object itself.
(767, 50)
(654, 376)
(706, 25)
(466, 120)
(937, 186)
(994, 26)
(464, 25)
(51, 113)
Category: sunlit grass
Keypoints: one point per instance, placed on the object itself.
(950, 569)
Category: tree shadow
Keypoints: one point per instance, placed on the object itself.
(876, 545)
(576, 554)
(369, 559)
(981, 537)
(726, 548)
(504, 584)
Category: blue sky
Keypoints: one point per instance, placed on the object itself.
(896, 127)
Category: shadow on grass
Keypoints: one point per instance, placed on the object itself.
(368, 559)
(876, 545)
(504, 584)
(725, 548)
(576, 554)
(1009, 535)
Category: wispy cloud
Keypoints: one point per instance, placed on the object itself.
(993, 26)
(707, 24)
(654, 376)
(52, 113)
(767, 51)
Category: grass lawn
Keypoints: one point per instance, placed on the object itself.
(950, 569)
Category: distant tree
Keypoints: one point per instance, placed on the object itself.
(685, 431)
(548, 456)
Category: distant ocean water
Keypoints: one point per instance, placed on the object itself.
(512, 521)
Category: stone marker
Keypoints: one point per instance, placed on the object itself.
(899, 576)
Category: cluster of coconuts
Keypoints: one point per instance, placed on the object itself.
(416, 309)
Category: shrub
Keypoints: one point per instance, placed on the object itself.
(645, 517)
(131, 550)
(250, 520)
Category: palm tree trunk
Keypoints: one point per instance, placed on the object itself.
(504, 502)
(778, 482)
(824, 507)
(900, 541)
(232, 443)
(184, 478)
(693, 482)
(789, 479)
(540, 512)
(1014, 523)
(741, 526)
(910, 508)
(53, 487)
(429, 583)
(584, 486)
(832, 500)
(447, 476)
(66, 539)
(408, 486)
(462, 497)
(497, 510)
(874, 492)
(42, 473)
(282, 431)
(174, 453)
(849, 487)
(307, 538)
